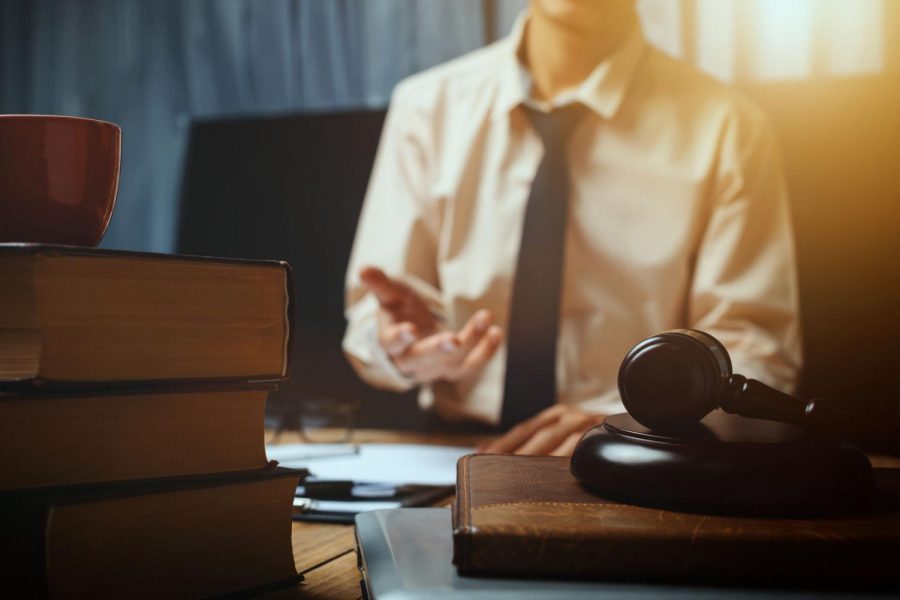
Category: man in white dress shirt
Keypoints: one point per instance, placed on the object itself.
(677, 217)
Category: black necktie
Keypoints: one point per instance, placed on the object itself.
(530, 381)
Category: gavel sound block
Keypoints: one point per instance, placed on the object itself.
(683, 444)
(724, 465)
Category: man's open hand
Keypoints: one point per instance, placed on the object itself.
(554, 431)
(420, 345)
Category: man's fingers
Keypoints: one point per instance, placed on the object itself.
(481, 353)
(554, 434)
(555, 431)
(427, 358)
(474, 329)
(444, 355)
(519, 434)
(470, 337)
(396, 338)
(390, 293)
(568, 446)
(577, 423)
(545, 440)
(551, 436)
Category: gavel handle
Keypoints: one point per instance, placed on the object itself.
(754, 399)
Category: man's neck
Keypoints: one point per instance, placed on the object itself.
(560, 58)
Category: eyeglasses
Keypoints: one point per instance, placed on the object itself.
(320, 420)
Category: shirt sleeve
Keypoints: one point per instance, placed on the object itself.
(397, 232)
(744, 290)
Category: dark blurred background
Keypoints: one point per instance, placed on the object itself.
(250, 128)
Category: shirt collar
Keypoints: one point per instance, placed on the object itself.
(602, 92)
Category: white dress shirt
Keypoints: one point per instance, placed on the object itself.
(678, 217)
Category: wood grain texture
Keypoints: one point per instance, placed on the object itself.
(326, 554)
(317, 543)
(337, 580)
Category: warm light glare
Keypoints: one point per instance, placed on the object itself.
(767, 40)
(855, 36)
(716, 50)
(783, 38)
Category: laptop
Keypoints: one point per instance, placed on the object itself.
(407, 553)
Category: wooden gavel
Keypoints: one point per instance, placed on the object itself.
(670, 381)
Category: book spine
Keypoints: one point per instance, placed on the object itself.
(715, 561)
(463, 530)
(23, 561)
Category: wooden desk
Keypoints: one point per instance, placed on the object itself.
(326, 554)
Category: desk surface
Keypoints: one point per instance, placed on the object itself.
(326, 554)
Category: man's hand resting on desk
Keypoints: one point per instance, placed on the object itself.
(422, 347)
(554, 432)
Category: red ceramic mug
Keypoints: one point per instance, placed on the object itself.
(58, 178)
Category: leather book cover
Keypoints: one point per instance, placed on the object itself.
(528, 516)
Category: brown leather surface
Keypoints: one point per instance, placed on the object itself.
(527, 516)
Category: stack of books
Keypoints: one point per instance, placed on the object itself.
(132, 399)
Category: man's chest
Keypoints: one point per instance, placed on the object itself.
(632, 200)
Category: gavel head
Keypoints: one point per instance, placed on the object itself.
(672, 380)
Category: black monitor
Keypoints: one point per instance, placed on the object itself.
(291, 188)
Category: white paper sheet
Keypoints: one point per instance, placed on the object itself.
(352, 507)
(396, 464)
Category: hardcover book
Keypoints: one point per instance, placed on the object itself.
(78, 317)
(68, 439)
(193, 538)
